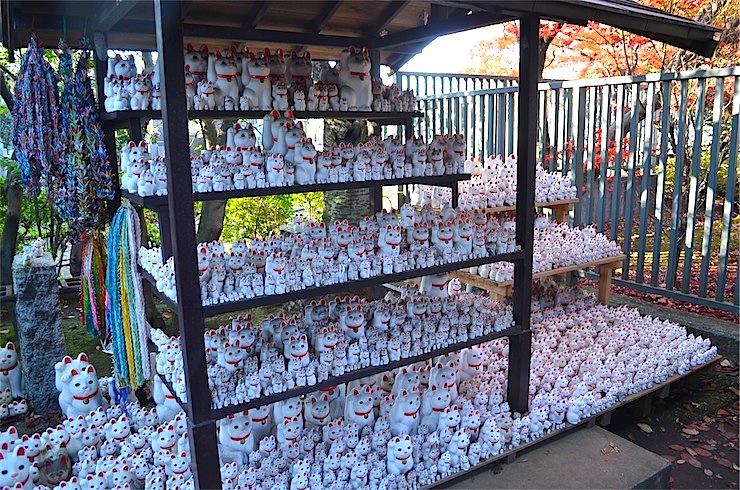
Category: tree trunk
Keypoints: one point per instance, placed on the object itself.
(75, 259)
(9, 240)
(351, 204)
(212, 213)
(152, 313)
(211, 222)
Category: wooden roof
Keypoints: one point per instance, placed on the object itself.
(398, 29)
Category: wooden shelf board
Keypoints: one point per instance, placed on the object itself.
(547, 204)
(483, 283)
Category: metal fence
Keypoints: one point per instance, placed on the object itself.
(654, 158)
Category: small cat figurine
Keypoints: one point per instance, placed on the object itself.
(15, 468)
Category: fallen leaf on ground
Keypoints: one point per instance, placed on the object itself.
(735, 467)
(690, 431)
(676, 447)
(694, 462)
(703, 452)
(667, 457)
(680, 461)
(724, 462)
(722, 412)
(691, 451)
(735, 390)
(725, 363)
(708, 472)
(166, 315)
(645, 428)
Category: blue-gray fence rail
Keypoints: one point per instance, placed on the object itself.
(654, 157)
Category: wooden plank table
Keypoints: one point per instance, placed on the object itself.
(560, 209)
(510, 455)
(500, 290)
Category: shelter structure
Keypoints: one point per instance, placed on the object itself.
(394, 31)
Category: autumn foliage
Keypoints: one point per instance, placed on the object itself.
(598, 50)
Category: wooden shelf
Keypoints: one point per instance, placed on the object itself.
(547, 204)
(356, 374)
(313, 292)
(510, 454)
(504, 288)
(560, 209)
(152, 202)
(387, 118)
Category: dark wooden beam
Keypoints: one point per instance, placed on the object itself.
(259, 14)
(436, 28)
(187, 5)
(201, 427)
(326, 16)
(6, 11)
(386, 17)
(107, 18)
(520, 344)
(239, 34)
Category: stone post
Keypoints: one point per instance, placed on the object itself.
(39, 326)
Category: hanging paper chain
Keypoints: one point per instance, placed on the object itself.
(93, 284)
(35, 124)
(82, 180)
(125, 314)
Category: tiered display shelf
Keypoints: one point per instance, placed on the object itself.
(503, 289)
(177, 229)
(176, 217)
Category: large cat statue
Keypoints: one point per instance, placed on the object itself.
(80, 393)
(354, 78)
(256, 81)
(223, 73)
(197, 61)
(10, 370)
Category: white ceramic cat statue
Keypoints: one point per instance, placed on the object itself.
(355, 80)
(10, 370)
(15, 469)
(80, 392)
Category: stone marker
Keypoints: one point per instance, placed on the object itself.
(39, 326)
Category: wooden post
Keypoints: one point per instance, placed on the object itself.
(520, 344)
(201, 427)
